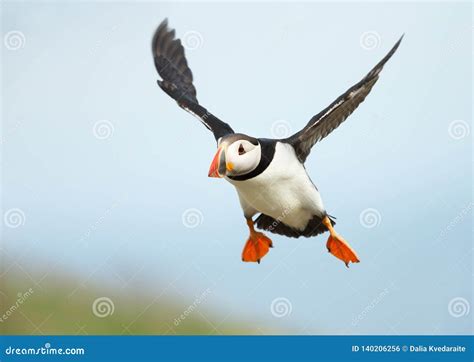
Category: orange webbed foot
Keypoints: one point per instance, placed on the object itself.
(256, 247)
(338, 247)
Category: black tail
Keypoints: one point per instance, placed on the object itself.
(315, 226)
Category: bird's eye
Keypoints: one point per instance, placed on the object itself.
(241, 150)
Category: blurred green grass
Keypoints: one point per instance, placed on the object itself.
(62, 305)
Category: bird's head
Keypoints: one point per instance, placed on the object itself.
(237, 154)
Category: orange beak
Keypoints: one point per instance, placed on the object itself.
(218, 166)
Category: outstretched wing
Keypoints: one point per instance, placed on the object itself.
(337, 112)
(177, 78)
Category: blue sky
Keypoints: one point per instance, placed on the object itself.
(112, 203)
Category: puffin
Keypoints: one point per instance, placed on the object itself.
(269, 175)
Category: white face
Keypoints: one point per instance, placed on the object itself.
(242, 157)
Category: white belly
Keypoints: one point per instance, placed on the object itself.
(283, 191)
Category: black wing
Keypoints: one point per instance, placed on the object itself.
(171, 64)
(337, 112)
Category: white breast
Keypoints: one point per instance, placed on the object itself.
(283, 191)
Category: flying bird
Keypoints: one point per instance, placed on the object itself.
(268, 174)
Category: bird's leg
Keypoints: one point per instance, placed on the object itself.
(257, 245)
(337, 246)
